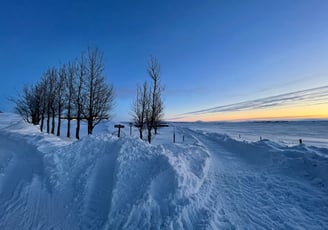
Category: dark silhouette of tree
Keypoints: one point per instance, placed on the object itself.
(60, 91)
(155, 109)
(79, 89)
(158, 113)
(79, 94)
(99, 95)
(28, 104)
(50, 81)
(70, 89)
(148, 107)
(139, 108)
(43, 101)
(35, 101)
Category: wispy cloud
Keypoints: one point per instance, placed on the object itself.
(313, 95)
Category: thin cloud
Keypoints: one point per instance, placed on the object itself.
(308, 96)
(176, 118)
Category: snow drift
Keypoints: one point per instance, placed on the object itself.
(209, 181)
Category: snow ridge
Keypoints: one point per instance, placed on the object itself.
(208, 181)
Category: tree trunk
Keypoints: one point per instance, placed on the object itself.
(78, 121)
(140, 133)
(35, 119)
(58, 125)
(149, 136)
(53, 122)
(69, 122)
(59, 119)
(90, 126)
(69, 119)
(68, 127)
(48, 122)
(42, 122)
(77, 133)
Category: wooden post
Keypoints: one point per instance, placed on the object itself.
(119, 126)
(174, 136)
(131, 124)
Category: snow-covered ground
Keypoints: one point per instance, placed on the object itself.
(287, 133)
(206, 180)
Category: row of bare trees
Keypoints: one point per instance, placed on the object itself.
(148, 107)
(76, 90)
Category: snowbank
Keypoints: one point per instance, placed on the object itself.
(95, 182)
(207, 181)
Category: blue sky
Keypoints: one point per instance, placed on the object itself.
(212, 53)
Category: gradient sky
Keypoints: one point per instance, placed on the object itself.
(213, 54)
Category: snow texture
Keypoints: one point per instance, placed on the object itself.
(207, 180)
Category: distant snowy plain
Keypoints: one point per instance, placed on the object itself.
(216, 176)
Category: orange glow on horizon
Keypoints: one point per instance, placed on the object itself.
(276, 113)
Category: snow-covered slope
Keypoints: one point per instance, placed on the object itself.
(284, 132)
(208, 181)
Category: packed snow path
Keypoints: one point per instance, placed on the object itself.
(22, 164)
(208, 181)
(253, 186)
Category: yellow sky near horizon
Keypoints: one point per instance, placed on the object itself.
(301, 111)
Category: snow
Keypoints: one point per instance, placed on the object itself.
(208, 181)
(284, 132)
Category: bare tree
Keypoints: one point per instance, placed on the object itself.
(27, 105)
(60, 91)
(35, 103)
(148, 107)
(99, 95)
(155, 110)
(139, 108)
(80, 89)
(158, 113)
(48, 84)
(43, 101)
(70, 88)
(79, 94)
(148, 119)
(48, 99)
(51, 98)
(21, 107)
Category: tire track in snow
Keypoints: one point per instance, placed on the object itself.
(206, 209)
(24, 175)
(98, 200)
(238, 192)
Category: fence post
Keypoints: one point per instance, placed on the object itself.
(119, 129)
(131, 124)
(174, 135)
